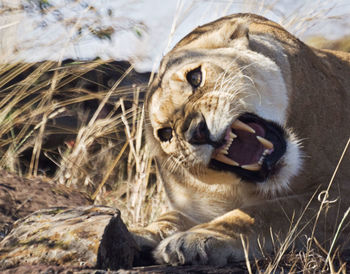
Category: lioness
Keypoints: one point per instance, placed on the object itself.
(246, 124)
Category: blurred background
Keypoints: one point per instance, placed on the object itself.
(142, 31)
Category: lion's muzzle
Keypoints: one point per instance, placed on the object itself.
(251, 148)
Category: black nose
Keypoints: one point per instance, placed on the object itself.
(200, 134)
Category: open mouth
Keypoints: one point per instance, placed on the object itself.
(252, 148)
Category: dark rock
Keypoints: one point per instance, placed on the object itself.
(118, 248)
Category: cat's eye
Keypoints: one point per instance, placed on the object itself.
(165, 134)
(194, 77)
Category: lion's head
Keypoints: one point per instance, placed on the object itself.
(218, 105)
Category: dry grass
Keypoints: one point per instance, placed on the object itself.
(314, 258)
(106, 154)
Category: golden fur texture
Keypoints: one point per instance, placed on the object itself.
(242, 64)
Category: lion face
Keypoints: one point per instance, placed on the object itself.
(222, 108)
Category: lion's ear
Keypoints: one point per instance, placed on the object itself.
(226, 34)
(235, 33)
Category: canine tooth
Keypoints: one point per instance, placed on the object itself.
(252, 167)
(242, 126)
(266, 143)
(225, 160)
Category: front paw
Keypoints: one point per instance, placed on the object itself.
(198, 248)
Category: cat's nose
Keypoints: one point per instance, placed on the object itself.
(200, 134)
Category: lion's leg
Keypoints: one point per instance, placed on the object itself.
(166, 225)
(219, 241)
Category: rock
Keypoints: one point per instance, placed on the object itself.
(86, 239)
(117, 249)
(58, 236)
(47, 269)
(21, 196)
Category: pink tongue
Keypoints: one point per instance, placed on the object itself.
(246, 149)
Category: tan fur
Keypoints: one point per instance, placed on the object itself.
(250, 64)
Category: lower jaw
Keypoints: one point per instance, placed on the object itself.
(267, 170)
(245, 175)
(216, 172)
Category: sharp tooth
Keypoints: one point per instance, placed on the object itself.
(224, 151)
(266, 143)
(232, 135)
(225, 160)
(267, 152)
(261, 160)
(252, 167)
(242, 126)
